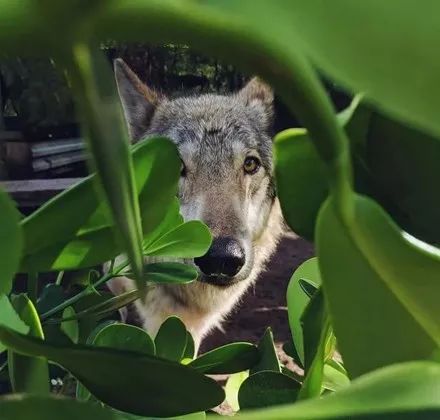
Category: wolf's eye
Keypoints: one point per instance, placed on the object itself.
(182, 169)
(251, 165)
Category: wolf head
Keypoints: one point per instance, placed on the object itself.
(226, 151)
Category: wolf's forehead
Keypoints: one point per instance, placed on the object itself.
(208, 121)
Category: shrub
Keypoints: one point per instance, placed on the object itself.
(373, 287)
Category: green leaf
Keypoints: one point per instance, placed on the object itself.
(171, 339)
(28, 374)
(334, 379)
(59, 218)
(10, 318)
(120, 337)
(94, 241)
(10, 242)
(125, 337)
(107, 139)
(232, 388)
(190, 347)
(268, 354)
(382, 27)
(190, 239)
(377, 142)
(266, 388)
(301, 180)
(70, 326)
(404, 391)
(316, 333)
(386, 281)
(128, 381)
(297, 301)
(170, 272)
(230, 358)
(49, 408)
(324, 31)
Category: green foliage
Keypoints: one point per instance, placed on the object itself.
(266, 388)
(28, 374)
(384, 277)
(121, 378)
(10, 242)
(297, 301)
(171, 339)
(415, 383)
(268, 355)
(379, 284)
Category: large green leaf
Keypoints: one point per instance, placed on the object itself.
(394, 163)
(266, 388)
(171, 339)
(93, 241)
(127, 381)
(406, 391)
(59, 218)
(107, 139)
(10, 242)
(297, 301)
(302, 180)
(10, 318)
(17, 407)
(28, 374)
(230, 358)
(121, 337)
(386, 49)
(381, 286)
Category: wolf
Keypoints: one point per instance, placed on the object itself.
(226, 181)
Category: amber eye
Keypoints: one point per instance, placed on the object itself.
(182, 169)
(251, 165)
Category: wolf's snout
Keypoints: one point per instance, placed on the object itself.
(225, 258)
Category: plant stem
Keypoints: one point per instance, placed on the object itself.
(83, 293)
(59, 278)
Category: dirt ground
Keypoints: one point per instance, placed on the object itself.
(265, 304)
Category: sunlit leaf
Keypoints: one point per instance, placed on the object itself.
(28, 374)
(381, 286)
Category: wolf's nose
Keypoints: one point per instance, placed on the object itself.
(225, 257)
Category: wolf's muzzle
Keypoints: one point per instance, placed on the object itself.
(224, 259)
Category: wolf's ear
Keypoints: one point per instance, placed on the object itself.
(138, 101)
(257, 94)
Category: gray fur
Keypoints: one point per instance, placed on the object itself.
(214, 134)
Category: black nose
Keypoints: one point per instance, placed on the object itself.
(225, 257)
